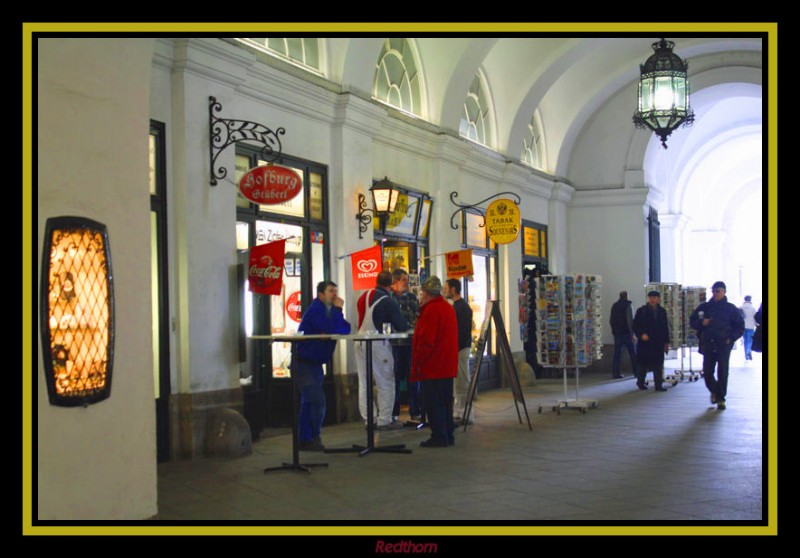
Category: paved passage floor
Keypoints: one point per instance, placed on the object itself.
(637, 456)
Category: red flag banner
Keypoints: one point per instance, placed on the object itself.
(459, 263)
(366, 266)
(266, 268)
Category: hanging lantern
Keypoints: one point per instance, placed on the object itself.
(663, 92)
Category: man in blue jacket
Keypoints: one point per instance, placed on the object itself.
(718, 323)
(324, 315)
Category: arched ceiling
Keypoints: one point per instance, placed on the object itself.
(568, 79)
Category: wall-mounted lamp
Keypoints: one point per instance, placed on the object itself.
(663, 92)
(384, 200)
(77, 311)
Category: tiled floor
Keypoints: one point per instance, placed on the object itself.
(638, 456)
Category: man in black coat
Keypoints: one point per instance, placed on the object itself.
(718, 323)
(652, 329)
(622, 327)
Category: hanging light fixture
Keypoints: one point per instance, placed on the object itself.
(663, 92)
(384, 200)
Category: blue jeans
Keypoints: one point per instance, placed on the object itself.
(621, 341)
(748, 343)
(308, 379)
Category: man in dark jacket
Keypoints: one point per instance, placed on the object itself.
(622, 328)
(323, 315)
(718, 323)
(652, 329)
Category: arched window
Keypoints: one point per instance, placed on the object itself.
(303, 51)
(477, 121)
(397, 76)
(532, 148)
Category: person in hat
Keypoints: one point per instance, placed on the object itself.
(652, 331)
(434, 361)
(719, 324)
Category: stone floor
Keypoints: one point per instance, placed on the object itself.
(638, 458)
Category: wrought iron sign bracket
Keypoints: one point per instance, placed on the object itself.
(463, 207)
(363, 216)
(224, 132)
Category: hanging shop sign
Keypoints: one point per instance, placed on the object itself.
(366, 266)
(266, 268)
(503, 221)
(459, 263)
(270, 184)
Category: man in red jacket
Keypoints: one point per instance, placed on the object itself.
(434, 361)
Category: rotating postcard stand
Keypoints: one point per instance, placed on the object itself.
(580, 404)
(568, 312)
(692, 298)
(371, 447)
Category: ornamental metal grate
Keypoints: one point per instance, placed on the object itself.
(77, 311)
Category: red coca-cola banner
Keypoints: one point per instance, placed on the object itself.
(270, 184)
(266, 268)
(366, 266)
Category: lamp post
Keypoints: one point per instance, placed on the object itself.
(663, 92)
(384, 200)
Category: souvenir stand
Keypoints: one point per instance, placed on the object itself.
(672, 302)
(692, 298)
(569, 329)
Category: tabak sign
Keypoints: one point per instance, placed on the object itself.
(270, 184)
(503, 221)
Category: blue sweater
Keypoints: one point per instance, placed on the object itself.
(316, 320)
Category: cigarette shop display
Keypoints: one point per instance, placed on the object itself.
(569, 327)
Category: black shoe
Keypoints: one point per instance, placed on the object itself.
(311, 445)
(431, 443)
(661, 388)
(618, 376)
(641, 386)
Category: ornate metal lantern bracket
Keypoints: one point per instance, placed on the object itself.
(463, 207)
(224, 132)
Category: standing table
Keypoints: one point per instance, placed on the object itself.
(371, 447)
(295, 465)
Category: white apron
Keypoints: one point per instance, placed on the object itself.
(382, 369)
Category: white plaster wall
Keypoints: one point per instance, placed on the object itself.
(606, 238)
(598, 159)
(92, 113)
